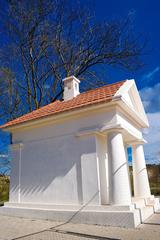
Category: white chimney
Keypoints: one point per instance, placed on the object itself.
(71, 87)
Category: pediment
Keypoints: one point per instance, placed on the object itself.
(130, 95)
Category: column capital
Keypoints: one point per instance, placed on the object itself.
(136, 142)
(112, 128)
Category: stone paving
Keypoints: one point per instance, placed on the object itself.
(12, 228)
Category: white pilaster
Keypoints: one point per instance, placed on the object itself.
(15, 186)
(102, 160)
(120, 192)
(140, 176)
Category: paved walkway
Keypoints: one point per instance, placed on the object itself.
(28, 229)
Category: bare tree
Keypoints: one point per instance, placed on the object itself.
(48, 40)
(4, 165)
(4, 155)
(9, 92)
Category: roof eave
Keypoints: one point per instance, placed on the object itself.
(59, 116)
(116, 100)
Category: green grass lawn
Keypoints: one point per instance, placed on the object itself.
(4, 188)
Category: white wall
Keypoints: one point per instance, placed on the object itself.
(57, 166)
(52, 169)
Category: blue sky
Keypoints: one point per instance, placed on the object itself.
(146, 18)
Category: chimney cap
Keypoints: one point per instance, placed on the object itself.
(71, 87)
(71, 78)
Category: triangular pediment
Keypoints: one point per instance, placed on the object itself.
(130, 95)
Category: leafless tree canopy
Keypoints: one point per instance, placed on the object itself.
(47, 40)
(4, 155)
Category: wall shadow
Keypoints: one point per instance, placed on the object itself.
(42, 166)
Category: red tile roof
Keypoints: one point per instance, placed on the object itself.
(95, 96)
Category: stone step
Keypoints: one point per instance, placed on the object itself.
(155, 202)
(139, 202)
(146, 206)
(71, 207)
(128, 219)
(146, 212)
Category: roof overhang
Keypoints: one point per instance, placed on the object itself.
(75, 113)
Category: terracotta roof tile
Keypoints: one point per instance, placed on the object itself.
(95, 96)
